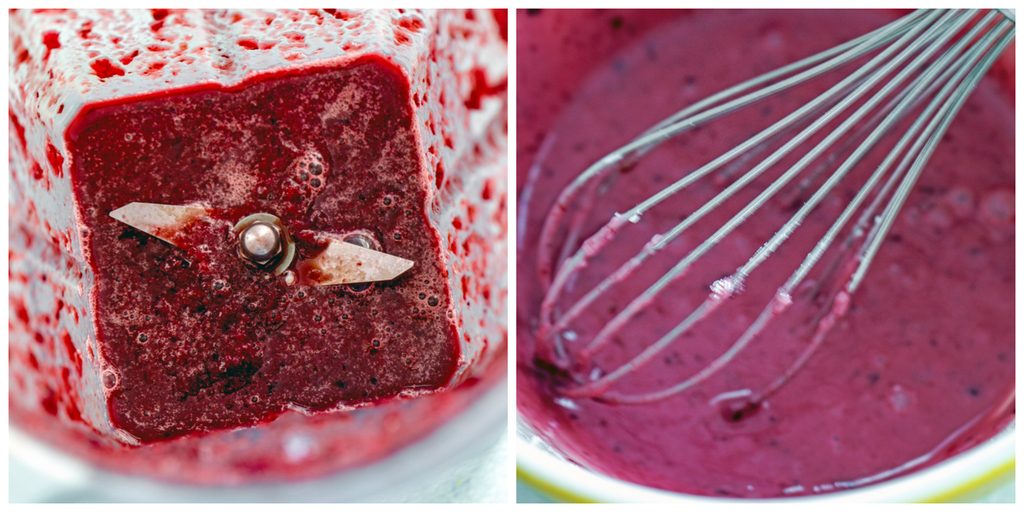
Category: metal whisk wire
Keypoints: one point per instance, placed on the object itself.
(923, 52)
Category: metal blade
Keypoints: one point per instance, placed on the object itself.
(345, 263)
(164, 221)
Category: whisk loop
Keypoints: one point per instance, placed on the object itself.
(930, 57)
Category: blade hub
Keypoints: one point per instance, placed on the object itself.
(260, 242)
(263, 241)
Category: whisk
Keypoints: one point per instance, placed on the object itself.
(925, 63)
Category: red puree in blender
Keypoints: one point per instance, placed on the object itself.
(217, 344)
(919, 368)
(389, 124)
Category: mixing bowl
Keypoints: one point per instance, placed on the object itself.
(983, 472)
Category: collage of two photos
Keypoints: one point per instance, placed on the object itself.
(511, 255)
